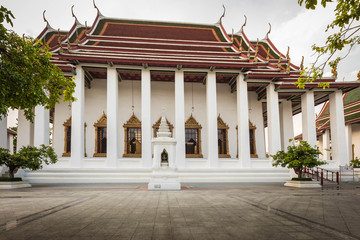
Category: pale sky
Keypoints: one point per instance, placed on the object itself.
(292, 25)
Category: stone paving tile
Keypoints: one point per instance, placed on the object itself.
(191, 214)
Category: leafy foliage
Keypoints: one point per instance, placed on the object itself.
(346, 26)
(27, 77)
(29, 157)
(299, 155)
(355, 162)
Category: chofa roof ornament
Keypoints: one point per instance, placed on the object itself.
(47, 22)
(98, 11)
(73, 14)
(242, 27)
(267, 34)
(223, 15)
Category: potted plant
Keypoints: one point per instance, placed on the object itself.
(355, 162)
(299, 155)
(29, 157)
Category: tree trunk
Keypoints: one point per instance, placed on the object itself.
(300, 173)
(11, 172)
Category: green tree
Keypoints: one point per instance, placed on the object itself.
(345, 36)
(299, 155)
(29, 157)
(27, 77)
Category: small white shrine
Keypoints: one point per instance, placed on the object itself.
(164, 175)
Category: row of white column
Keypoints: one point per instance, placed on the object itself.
(340, 134)
(337, 125)
(77, 131)
(279, 119)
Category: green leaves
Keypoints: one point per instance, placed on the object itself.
(299, 155)
(6, 15)
(27, 77)
(346, 35)
(29, 157)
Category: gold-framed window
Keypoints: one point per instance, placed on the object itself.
(67, 138)
(223, 140)
(100, 136)
(157, 124)
(132, 136)
(193, 138)
(252, 141)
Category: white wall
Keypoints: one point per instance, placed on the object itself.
(162, 96)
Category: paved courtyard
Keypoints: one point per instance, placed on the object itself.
(199, 211)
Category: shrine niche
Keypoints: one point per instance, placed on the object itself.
(100, 136)
(193, 138)
(223, 140)
(157, 124)
(132, 133)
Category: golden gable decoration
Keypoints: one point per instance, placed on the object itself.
(102, 122)
(157, 124)
(132, 122)
(192, 123)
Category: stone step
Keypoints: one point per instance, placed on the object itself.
(144, 175)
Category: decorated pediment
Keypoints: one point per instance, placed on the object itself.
(102, 122)
(132, 122)
(192, 123)
(221, 124)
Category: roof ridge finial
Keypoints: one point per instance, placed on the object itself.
(242, 27)
(302, 63)
(98, 11)
(59, 42)
(288, 52)
(47, 22)
(268, 54)
(232, 35)
(73, 14)
(288, 66)
(267, 34)
(223, 15)
(256, 51)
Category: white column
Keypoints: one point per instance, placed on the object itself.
(3, 132)
(308, 118)
(286, 124)
(25, 131)
(41, 126)
(337, 126)
(211, 111)
(348, 133)
(146, 153)
(326, 145)
(180, 119)
(273, 119)
(112, 117)
(77, 119)
(243, 121)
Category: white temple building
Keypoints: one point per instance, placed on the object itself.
(217, 91)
